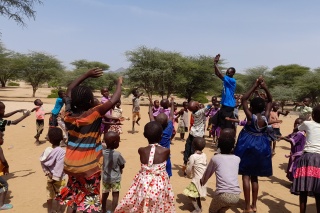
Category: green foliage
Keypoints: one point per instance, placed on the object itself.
(287, 74)
(84, 64)
(308, 86)
(251, 75)
(13, 84)
(201, 98)
(54, 94)
(38, 68)
(18, 9)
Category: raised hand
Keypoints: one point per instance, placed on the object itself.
(120, 79)
(216, 59)
(95, 73)
(27, 113)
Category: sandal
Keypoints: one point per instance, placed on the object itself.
(6, 206)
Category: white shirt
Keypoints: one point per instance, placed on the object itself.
(197, 129)
(312, 129)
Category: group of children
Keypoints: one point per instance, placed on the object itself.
(76, 174)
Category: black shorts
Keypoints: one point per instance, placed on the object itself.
(53, 120)
(219, 119)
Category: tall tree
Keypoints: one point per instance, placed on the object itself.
(38, 68)
(18, 9)
(251, 75)
(283, 94)
(308, 86)
(286, 74)
(5, 63)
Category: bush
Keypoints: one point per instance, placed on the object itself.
(54, 94)
(202, 98)
(13, 84)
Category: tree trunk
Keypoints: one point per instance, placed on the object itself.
(34, 89)
(3, 83)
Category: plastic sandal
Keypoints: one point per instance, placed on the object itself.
(6, 206)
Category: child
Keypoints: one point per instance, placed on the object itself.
(306, 179)
(39, 118)
(197, 129)
(117, 115)
(167, 126)
(151, 190)
(4, 123)
(52, 160)
(62, 125)
(113, 164)
(253, 145)
(106, 118)
(84, 149)
(274, 119)
(227, 99)
(183, 124)
(226, 166)
(3, 183)
(304, 109)
(164, 103)
(135, 108)
(214, 130)
(156, 106)
(297, 139)
(195, 168)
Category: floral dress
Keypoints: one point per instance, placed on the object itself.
(150, 191)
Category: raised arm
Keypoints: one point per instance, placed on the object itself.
(12, 113)
(216, 68)
(245, 98)
(21, 118)
(171, 110)
(103, 108)
(93, 73)
(269, 99)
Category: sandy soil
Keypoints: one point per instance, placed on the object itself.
(27, 182)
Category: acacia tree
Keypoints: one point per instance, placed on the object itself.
(38, 68)
(308, 85)
(18, 9)
(145, 70)
(286, 75)
(283, 94)
(6, 65)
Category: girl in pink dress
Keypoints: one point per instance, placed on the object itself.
(151, 190)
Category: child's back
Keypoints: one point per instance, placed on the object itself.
(112, 164)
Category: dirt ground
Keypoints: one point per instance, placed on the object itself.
(27, 182)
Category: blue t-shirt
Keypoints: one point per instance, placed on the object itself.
(229, 87)
(165, 142)
(57, 106)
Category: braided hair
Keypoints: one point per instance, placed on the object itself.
(81, 99)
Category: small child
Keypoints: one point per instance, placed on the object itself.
(52, 162)
(135, 108)
(167, 126)
(113, 164)
(39, 118)
(253, 146)
(183, 124)
(226, 166)
(156, 106)
(214, 130)
(62, 125)
(105, 120)
(306, 179)
(151, 190)
(164, 103)
(197, 129)
(4, 123)
(304, 109)
(297, 139)
(117, 114)
(3, 183)
(195, 169)
(274, 119)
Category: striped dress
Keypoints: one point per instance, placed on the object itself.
(82, 162)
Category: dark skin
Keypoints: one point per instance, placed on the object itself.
(230, 72)
(161, 154)
(5, 169)
(297, 123)
(105, 92)
(12, 113)
(276, 107)
(102, 108)
(162, 122)
(112, 140)
(261, 123)
(14, 122)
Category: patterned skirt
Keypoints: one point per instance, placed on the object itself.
(82, 194)
(191, 191)
(307, 174)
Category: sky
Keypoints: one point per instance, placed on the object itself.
(246, 33)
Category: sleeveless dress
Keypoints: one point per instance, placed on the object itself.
(253, 148)
(150, 191)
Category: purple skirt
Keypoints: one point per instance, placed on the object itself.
(307, 174)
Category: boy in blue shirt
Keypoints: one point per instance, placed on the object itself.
(56, 110)
(227, 99)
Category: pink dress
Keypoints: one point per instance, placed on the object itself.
(150, 191)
